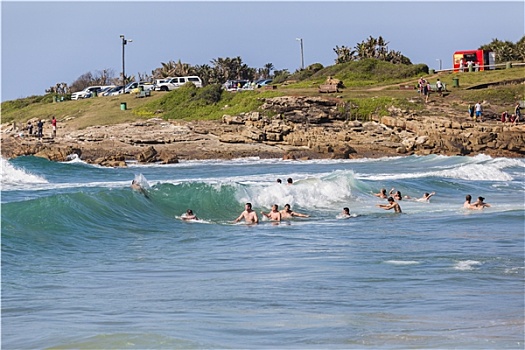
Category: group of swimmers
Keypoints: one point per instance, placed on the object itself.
(250, 216)
(478, 205)
(394, 195)
(397, 195)
(276, 215)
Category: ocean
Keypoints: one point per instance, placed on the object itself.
(89, 263)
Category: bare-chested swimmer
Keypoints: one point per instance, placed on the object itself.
(287, 213)
(381, 194)
(249, 216)
(392, 204)
(480, 203)
(274, 214)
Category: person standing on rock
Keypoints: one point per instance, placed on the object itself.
(479, 112)
(54, 124)
(30, 128)
(40, 128)
(517, 113)
(471, 111)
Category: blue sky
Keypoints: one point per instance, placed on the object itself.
(44, 43)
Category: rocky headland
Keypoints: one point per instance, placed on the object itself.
(301, 128)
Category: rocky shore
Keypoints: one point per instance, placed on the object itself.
(302, 128)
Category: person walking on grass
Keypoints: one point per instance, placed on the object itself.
(439, 86)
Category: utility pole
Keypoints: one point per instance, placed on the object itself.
(124, 42)
(302, 52)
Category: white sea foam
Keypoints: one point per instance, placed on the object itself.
(257, 160)
(13, 177)
(466, 265)
(470, 172)
(402, 262)
(310, 192)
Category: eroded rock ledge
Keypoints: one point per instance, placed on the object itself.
(300, 128)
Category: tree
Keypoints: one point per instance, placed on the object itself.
(206, 73)
(280, 76)
(370, 48)
(506, 51)
(344, 54)
(267, 70)
(520, 49)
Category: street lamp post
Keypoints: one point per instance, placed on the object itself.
(124, 42)
(302, 53)
(439, 59)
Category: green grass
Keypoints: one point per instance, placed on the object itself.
(208, 103)
(371, 87)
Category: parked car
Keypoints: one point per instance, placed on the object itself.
(177, 82)
(86, 93)
(136, 86)
(157, 82)
(263, 82)
(105, 89)
(115, 91)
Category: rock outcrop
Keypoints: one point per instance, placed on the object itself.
(290, 127)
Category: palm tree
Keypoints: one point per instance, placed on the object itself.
(520, 49)
(344, 54)
(267, 70)
(206, 73)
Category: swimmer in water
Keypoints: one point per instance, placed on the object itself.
(274, 214)
(396, 194)
(480, 204)
(392, 204)
(381, 194)
(345, 214)
(135, 185)
(249, 216)
(426, 197)
(189, 215)
(287, 213)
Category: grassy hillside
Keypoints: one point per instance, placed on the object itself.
(371, 87)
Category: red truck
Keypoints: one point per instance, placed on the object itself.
(478, 59)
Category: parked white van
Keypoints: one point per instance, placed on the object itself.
(177, 82)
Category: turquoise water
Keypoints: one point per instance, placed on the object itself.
(88, 263)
